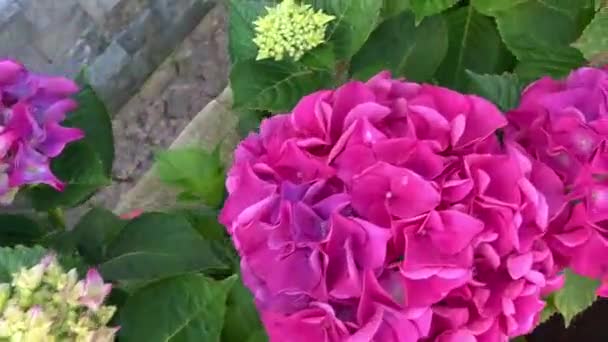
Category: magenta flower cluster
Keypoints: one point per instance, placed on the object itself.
(31, 110)
(564, 124)
(390, 211)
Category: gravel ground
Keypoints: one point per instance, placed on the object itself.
(194, 75)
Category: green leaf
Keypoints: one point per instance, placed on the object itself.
(19, 229)
(320, 58)
(241, 29)
(474, 44)
(185, 308)
(12, 259)
(205, 222)
(195, 171)
(355, 20)
(85, 166)
(242, 322)
(155, 246)
(549, 310)
(502, 90)
(540, 37)
(82, 171)
(249, 121)
(492, 7)
(594, 41)
(273, 86)
(94, 232)
(258, 336)
(394, 7)
(577, 294)
(401, 47)
(425, 8)
(93, 118)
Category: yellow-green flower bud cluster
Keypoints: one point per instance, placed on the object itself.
(46, 304)
(289, 29)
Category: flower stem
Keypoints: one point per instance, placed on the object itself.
(57, 218)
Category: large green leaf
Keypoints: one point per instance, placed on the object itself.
(394, 7)
(474, 44)
(355, 20)
(195, 171)
(425, 8)
(19, 229)
(249, 121)
(186, 308)
(12, 259)
(242, 322)
(502, 90)
(205, 222)
(491, 7)
(83, 172)
(577, 294)
(94, 119)
(273, 86)
(155, 246)
(241, 29)
(549, 310)
(540, 35)
(85, 166)
(401, 47)
(594, 41)
(94, 232)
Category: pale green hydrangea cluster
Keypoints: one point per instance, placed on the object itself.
(46, 304)
(289, 29)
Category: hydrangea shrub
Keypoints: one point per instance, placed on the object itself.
(32, 108)
(45, 303)
(388, 211)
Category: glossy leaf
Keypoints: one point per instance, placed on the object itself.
(425, 8)
(195, 171)
(502, 90)
(355, 20)
(155, 246)
(185, 308)
(242, 322)
(242, 14)
(541, 45)
(85, 166)
(474, 44)
(273, 86)
(19, 229)
(403, 48)
(492, 7)
(594, 41)
(83, 172)
(94, 232)
(577, 294)
(394, 7)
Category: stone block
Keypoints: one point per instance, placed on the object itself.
(98, 9)
(86, 48)
(108, 74)
(8, 9)
(49, 15)
(144, 30)
(15, 35)
(58, 39)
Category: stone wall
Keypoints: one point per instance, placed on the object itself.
(121, 41)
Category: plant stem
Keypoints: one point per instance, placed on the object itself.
(341, 75)
(57, 218)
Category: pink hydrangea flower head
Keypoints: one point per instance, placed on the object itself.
(564, 124)
(31, 110)
(388, 211)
